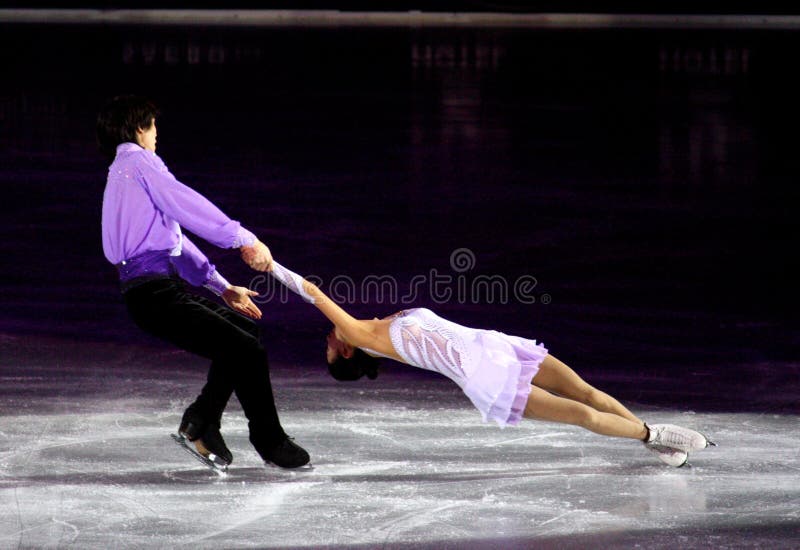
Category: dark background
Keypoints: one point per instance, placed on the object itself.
(645, 177)
(505, 6)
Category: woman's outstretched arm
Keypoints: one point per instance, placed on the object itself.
(356, 332)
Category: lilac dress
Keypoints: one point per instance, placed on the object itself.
(494, 369)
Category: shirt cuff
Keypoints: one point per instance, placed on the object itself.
(216, 283)
(244, 238)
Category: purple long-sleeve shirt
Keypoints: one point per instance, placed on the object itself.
(144, 208)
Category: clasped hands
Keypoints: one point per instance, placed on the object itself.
(257, 256)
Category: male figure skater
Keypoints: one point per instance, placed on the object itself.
(144, 211)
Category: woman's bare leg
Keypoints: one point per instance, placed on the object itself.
(543, 405)
(556, 377)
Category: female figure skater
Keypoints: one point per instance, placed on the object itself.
(505, 377)
(144, 209)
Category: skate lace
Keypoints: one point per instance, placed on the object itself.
(671, 438)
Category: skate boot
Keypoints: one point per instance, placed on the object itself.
(668, 455)
(192, 425)
(203, 440)
(285, 454)
(212, 446)
(677, 437)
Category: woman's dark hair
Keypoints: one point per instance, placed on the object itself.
(119, 119)
(358, 365)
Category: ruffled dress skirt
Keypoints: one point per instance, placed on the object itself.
(500, 383)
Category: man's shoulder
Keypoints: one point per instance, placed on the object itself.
(143, 159)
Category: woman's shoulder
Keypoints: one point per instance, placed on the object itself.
(401, 313)
(422, 312)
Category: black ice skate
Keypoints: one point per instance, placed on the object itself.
(203, 441)
(207, 458)
(286, 454)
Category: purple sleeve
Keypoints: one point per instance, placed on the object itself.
(194, 268)
(189, 208)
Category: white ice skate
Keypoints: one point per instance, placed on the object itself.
(668, 455)
(676, 437)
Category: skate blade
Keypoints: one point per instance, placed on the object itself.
(212, 461)
(305, 468)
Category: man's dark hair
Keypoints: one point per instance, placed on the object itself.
(358, 365)
(119, 119)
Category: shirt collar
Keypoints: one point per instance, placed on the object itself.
(128, 146)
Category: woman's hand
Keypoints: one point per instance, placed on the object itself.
(238, 299)
(257, 256)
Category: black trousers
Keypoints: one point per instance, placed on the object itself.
(239, 363)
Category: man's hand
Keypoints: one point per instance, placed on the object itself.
(257, 256)
(238, 299)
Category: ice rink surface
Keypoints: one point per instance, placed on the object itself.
(404, 461)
